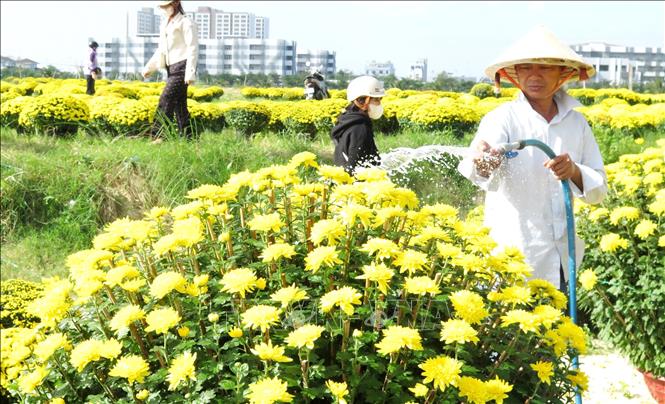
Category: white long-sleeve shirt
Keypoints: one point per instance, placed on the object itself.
(524, 204)
(178, 40)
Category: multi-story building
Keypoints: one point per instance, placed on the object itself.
(261, 25)
(234, 56)
(327, 60)
(145, 23)
(218, 24)
(622, 65)
(379, 69)
(419, 70)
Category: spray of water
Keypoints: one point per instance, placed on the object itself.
(402, 159)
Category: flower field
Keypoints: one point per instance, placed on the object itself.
(60, 107)
(298, 283)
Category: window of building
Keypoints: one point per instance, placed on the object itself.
(227, 57)
(227, 67)
(227, 47)
(255, 47)
(604, 68)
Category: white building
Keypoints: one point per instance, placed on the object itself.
(378, 69)
(316, 58)
(623, 65)
(218, 24)
(419, 70)
(233, 56)
(145, 22)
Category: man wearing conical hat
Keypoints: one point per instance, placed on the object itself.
(524, 205)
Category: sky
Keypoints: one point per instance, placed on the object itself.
(460, 38)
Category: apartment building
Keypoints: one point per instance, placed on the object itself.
(622, 65)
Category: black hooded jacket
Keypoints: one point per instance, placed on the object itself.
(353, 137)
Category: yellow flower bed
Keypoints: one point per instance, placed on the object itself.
(623, 286)
(296, 282)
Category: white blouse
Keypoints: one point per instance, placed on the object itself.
(524, 204)
(178, 40)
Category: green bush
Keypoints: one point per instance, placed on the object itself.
(482, 90)
(246, 118)
(15, 295)
(623, 286)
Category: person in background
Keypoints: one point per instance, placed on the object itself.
(524, 204)
(353, 135)
(178, 54)
(91, 67)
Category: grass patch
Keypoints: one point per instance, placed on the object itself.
(57, 194)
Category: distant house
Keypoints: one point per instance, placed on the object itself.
(26, 64)
(7, 62)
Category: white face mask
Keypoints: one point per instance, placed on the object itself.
(375, 111)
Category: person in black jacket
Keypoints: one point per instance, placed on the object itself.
(353, 135)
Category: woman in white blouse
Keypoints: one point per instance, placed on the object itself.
(524, 205)
(178, 54)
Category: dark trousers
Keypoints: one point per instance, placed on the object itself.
(90, 90)
(173, 101)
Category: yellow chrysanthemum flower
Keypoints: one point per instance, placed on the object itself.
(526, 320)
(338, 390)
(235, 332)
(419, 390)
(378, 273)
(469, 306)
(624, 212)
(511, 294)
(327, 229)
(645, 228)
(276, 251)
(473, 389)
(597, 214)
(442, 370)
(133, 368)
(383, 248)
(289, 295)
(161, 320)
(125, 316)
(268, 391)
(28, 382)
(52, 343)
(182, 368)
(458, 331)
(611, 242)
(344, 298)
(268, 352)
(411, 261)
(165, 283)
(588, 279)
(420, 285)
(579, 379)
(304, 336)
(260, 316)
(240, 280)
(544, 370)
(321, 256)
(269, 222)
(496, 389)
(396, 337)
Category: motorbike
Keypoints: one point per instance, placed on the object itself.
(315, 86)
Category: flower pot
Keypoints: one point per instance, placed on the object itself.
(656, 386)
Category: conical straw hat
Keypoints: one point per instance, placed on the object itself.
(542, 47)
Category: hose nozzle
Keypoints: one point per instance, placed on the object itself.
(508, 147)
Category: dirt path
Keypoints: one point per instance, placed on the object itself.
(612, 379)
